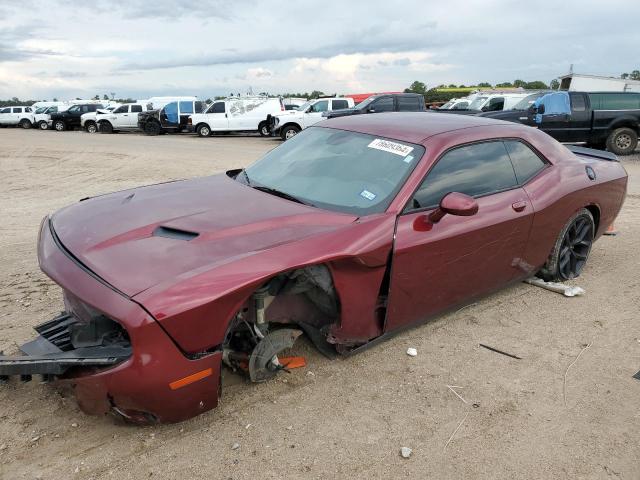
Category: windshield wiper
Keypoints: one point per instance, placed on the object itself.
(278, 193)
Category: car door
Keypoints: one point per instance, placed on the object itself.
(437, 266)
(382, 104)
(5, 115)
(580, 121)
(134, 110)
(314, 113)
(120, 117)
(554, 120)
(217, 116)
(16, 112)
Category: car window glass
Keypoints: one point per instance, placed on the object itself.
(409, 104)
(85, 108)
(339, 104)
(321, 106)
(199, 107)
(384, 104)
(614, 101)
(495, 104)
(74, 109)
(186, 107)
(577, 103)
(136, 108)
(28, 109)
(5, 110)
(525, 162)
(122, 109)
(476, 170)
(217, 107)
(461, 106)
(17, 110)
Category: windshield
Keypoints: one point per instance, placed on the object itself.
(526, 102)
(477, 103)
(447, 105)
(337, 170)
(303, 107)
(366, 101)
(41, 109)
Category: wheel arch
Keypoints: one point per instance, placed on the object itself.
(291, 124)
(595, 213)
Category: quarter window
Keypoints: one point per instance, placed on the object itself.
(384, 104)
(136, 108)
(409, 104)
(17, 110)
(476, 170)
(340, 104)
(525, 162)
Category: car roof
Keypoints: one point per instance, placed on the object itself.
(413, 127)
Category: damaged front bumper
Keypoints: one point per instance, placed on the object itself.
(111, 351)
(54, 351)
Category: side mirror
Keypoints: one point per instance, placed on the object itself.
(371, 110)
(454, 203)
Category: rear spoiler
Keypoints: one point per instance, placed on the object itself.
(591, 152)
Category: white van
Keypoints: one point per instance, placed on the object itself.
(236, 114)
(495, 102)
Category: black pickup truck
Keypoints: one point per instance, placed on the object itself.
(386, 102)
(603, 120)
(69, 119)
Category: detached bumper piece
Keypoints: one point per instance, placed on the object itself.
(65, 343)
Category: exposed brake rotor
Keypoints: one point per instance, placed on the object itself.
(263, 363)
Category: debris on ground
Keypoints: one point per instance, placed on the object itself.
(636, 376)
(499, 351)
(566, 290)
(455, 431)
(235, 446)
(564, 384)
(451, 387)
(292, 362)
(405, 452)
(412, 352)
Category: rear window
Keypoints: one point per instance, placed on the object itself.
(340, 104)
(615, 101)
(409, 104)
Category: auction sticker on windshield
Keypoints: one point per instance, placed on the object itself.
(391, 147)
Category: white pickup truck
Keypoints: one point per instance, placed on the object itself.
(123, 117)
(289, 123)
(236, 114)
(12, 116)
(88, 120)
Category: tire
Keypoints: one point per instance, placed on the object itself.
(91, 127)
(24, 123)
(59, 126)
(105, 127)
(622, 141)
(289, 131)
(263, 128)
(571, 250)
(43, 125)
(152, 128)
(204, 130)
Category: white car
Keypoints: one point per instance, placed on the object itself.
(12, 116)
(123, 117)
(289, 123)
(236, 114)
(88, 120)
(457, 104)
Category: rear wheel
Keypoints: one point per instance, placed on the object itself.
(24, 123)
(263, 128)
(289, 132)
(152, 128)
(204, 130)
(59, 125)
(622, 141)
(43, 125)
(91, 127)
(571, 250)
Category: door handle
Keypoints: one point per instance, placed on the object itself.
(519, 206)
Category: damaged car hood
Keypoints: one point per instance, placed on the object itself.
(142, 237)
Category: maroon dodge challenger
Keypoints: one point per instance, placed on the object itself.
(349, 232)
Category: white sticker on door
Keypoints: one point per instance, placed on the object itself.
(391, 147)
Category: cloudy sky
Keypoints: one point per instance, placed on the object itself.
(139, 48)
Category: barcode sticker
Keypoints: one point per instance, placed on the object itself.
(391, 147)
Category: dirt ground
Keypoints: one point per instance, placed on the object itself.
(346, 418)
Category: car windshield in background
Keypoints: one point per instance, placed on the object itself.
(304, 106)
(526, 102)
(477, 102)
(337, 170)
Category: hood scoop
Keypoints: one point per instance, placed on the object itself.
(174, 233)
